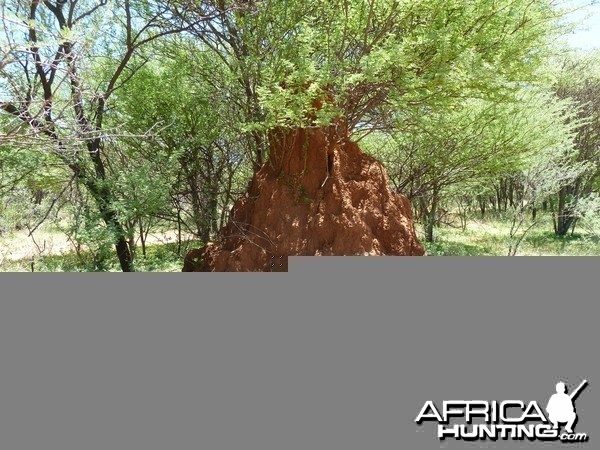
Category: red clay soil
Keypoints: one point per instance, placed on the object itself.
(319, 194)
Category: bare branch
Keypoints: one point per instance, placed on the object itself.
(89, 12)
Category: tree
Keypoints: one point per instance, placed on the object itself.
(546, 173)
(58, 100)
(197, 149)
(376, 61)
(578, 79)
(473, 144)
(181, 96)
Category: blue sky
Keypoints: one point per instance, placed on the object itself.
(587, 35)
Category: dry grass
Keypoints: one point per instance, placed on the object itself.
(492, 238)
(50, 251)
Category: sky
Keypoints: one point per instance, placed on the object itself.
(587, 34)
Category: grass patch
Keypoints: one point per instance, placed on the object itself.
(159, 258)
(491, 238)
(481, 238)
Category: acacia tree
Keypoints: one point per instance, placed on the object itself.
(385, 66)
(453, 149)
(376, 59)
(578, 80)
(546, 173)
(197, 151)
(57, 99)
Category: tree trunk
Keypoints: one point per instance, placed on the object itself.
(179, 221)
(201, 230)
(429, 217)
(38, 196)
(104, 199)
(124, 255)
(564, 216)
(213, 207)
(142, 237)
(123, 252)
(511, 193)
(482, 204)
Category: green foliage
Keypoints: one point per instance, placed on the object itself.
(90, 235)
(472, 143)
(15, 209)
(490, 237)
(186, 147)
(146, 115)
(587, 212)
(371, 59)
(159, 258)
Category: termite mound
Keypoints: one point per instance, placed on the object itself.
(317, 195)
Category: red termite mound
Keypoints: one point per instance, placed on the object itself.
(318, 194)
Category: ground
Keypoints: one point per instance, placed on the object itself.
(491, 238)
(53, 252)
(50, 251)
